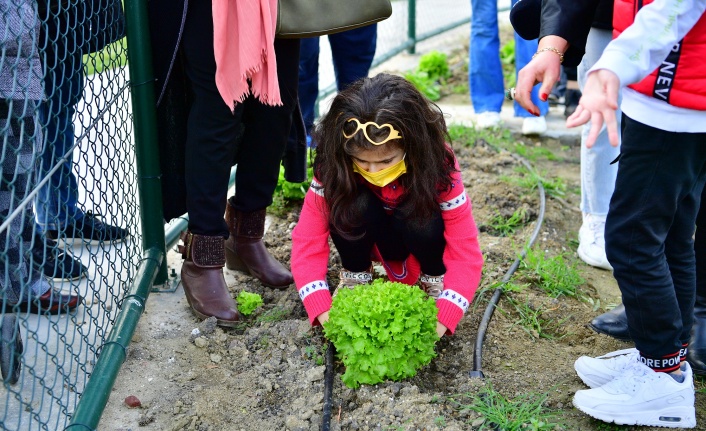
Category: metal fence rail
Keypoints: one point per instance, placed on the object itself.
(76, 103)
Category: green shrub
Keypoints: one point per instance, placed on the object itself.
(382, 330)
(248, 302)
(435, 64)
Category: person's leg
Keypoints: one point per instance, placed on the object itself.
(353, 52)
(485, 75)
(651, 215)
(309, 79)
(696, 354)
(597, 168)
(259, 157)
(56, 202)
(212, 131)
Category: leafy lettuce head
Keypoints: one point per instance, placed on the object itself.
(381, 331)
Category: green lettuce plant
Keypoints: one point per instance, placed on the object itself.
(248, 302)
(382, 331)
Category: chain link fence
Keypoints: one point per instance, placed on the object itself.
(77, 183)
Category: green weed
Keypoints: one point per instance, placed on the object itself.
(554, 275)
(530, 179)
(531, 320)
(533, 152)
(469, 136)
(430, 74)
(525, 412)
(507, 59)
(500, 225)
(276, 314)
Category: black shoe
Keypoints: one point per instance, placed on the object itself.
(51, 302)
(55, 263)
(614, 323)
(571, 102)
(88, 230)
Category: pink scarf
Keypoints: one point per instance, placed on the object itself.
(243, 44)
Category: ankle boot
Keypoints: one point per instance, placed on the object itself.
(246, 252)
(696, 354)
(350, 279)
(614, 323)
(433, 285)
(203, 281)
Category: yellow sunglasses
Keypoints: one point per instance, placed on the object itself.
(394, 134)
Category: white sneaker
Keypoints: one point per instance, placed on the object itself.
(592, 241)
(642, 396)
(488, 120)
(596, 372)
(534, 126)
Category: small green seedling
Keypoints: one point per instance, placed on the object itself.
(248, 302)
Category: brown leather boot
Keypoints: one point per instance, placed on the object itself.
(246, 252)
(203, 281)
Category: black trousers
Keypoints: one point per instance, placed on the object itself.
(649, 233)
(700, 253)
(395, 238)
(254, 136)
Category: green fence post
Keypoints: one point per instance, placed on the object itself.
(412, 25)
(146, 151)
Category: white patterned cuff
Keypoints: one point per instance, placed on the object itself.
(456, 298)
(454, 203)
(312, 287)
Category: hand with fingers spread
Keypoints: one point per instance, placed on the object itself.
(598, 104)
(544, 68)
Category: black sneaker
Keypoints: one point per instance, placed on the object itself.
(88, 230)
(55, 263)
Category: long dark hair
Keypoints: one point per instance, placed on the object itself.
(383, 99)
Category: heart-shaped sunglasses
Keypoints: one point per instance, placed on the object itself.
(394, 134)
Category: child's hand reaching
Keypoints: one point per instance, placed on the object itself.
(323, 318)
(440, 328)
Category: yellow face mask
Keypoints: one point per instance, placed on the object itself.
(383, 177)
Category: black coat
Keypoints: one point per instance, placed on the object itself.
(569, 19)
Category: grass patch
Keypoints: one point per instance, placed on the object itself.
(525, 412)
(276, 314)
(530, 318)
(469, 136)
(555, 275)
(530, 179)
(500, 225)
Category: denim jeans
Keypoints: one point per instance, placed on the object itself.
(597, 173)
(649, 233)
(56, 202)
(485, 74)
(352, 53)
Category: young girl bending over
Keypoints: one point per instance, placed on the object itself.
(387, 188)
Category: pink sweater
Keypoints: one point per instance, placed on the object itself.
(462, 256)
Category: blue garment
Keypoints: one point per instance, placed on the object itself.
(352, 53)
(597, 172)
(485, 75)
(56, 202)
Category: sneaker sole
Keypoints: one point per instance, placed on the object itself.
(78, 277)
(63, 243)
(592, 262)
(655, 418)
(589, 381)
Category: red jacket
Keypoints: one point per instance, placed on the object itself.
(462, 256)
(679, 80)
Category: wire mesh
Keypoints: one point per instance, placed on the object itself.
(68, 200)
(69, 207)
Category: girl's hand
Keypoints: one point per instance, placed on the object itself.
(440, 329)
(598, 104)
(323, 318)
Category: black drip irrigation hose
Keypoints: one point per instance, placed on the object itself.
(482, 328)
(328, 387)
(490, 309)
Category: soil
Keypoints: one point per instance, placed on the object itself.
(268, 374)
